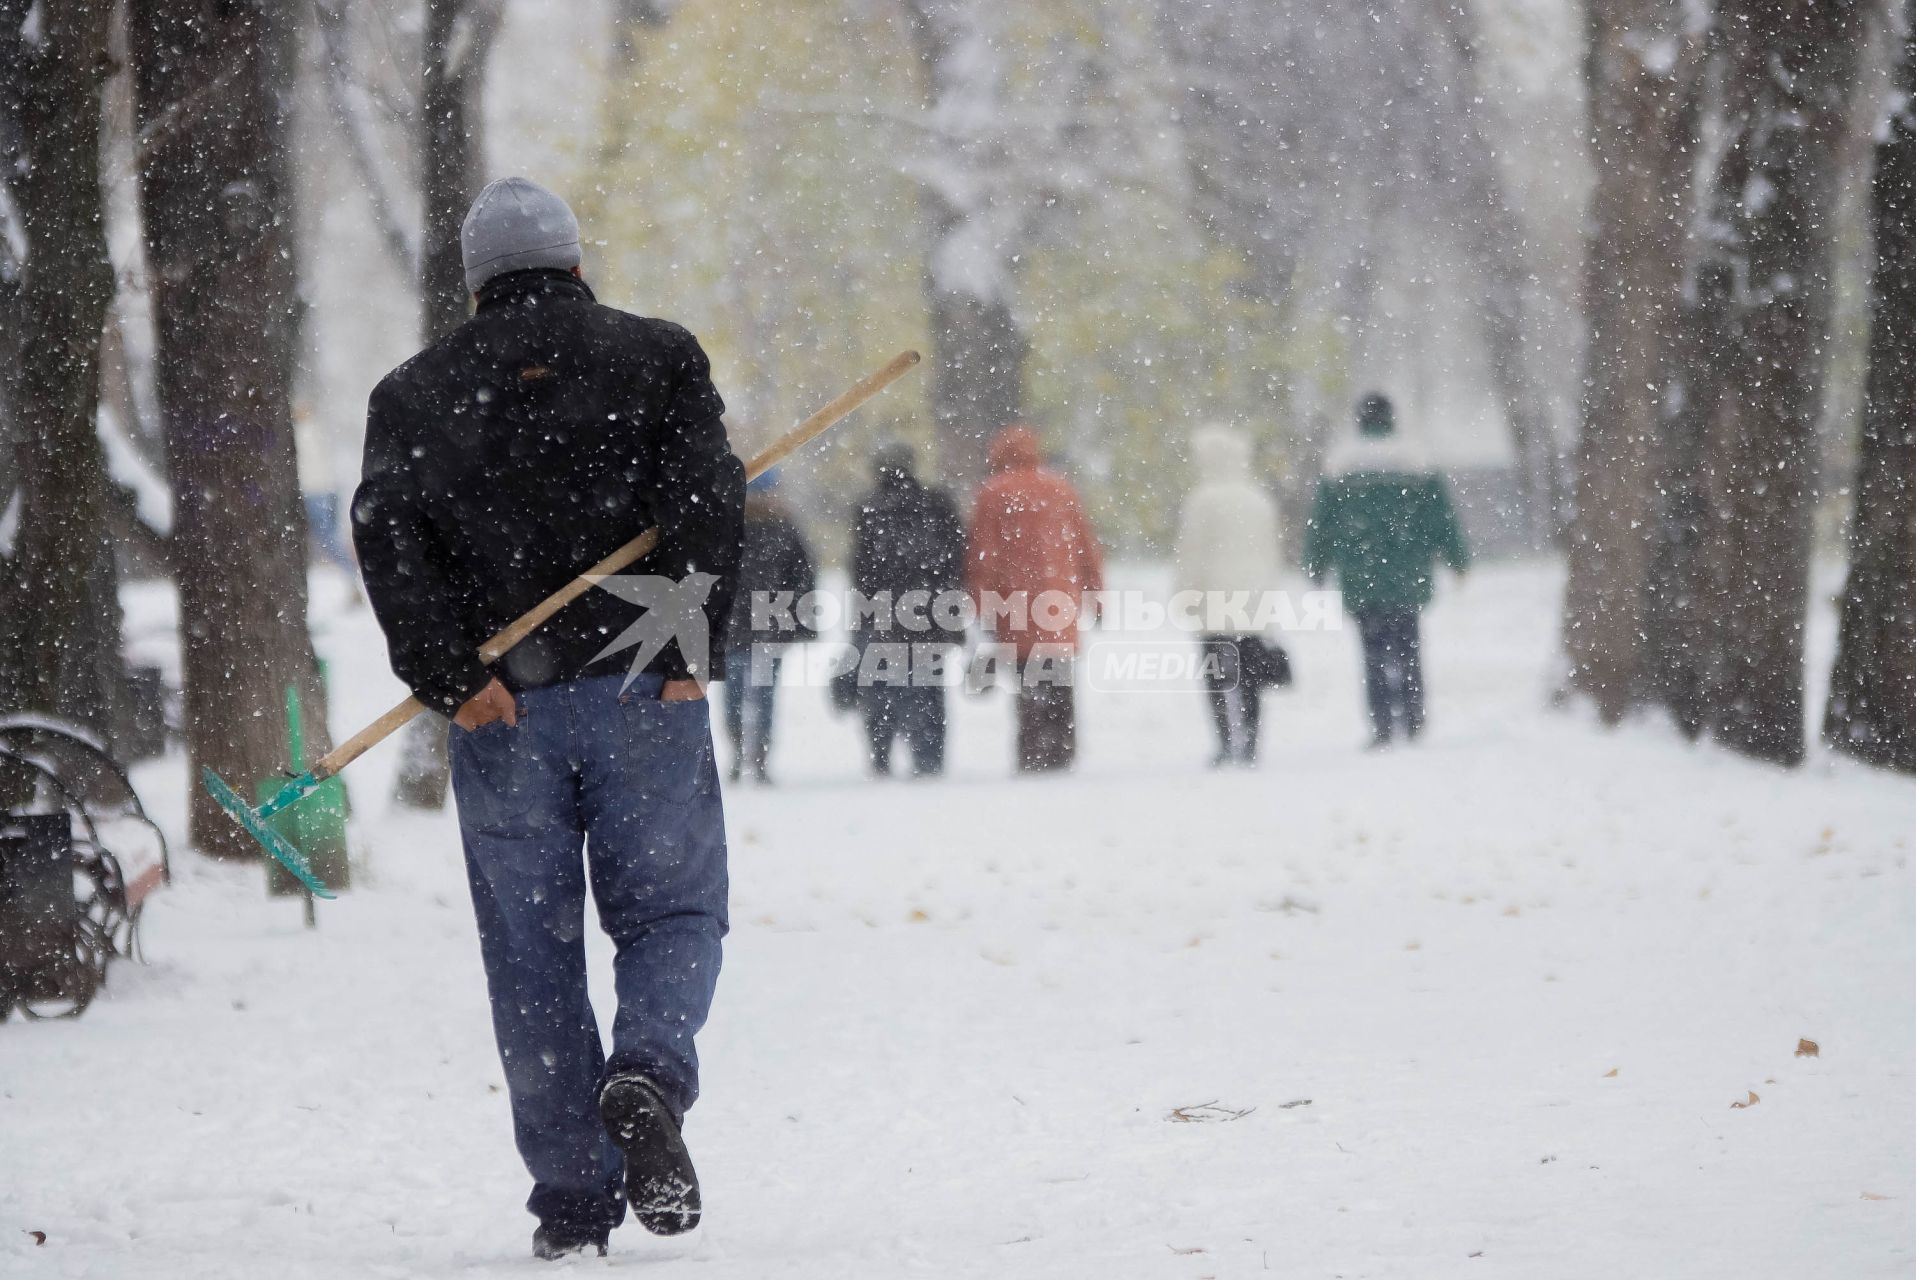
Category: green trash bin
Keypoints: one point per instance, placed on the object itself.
(316, 825)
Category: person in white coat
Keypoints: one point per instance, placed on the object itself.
(1228, 541)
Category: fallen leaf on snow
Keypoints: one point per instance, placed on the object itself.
(1207, 1113)
(918, 915)
(1611, 1074)
(1186, 1252)
(40, 1237)
(1867, 1195)
(1808, 1049)
(1751, 1101)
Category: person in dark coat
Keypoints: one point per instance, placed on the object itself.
(500, 462)
(1381, 524)
(908, 548)
(776, 561)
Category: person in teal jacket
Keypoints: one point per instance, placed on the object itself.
(1380, 525)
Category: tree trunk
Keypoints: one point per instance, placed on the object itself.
(1494, 244)
(1676, 669)
(1788, 71)
(458, 39)
(1642, 120)
(1872, 704)
(59, 607)
(974, 233)
(357, 132)
(977, 383)
(213, 86)
(13, 52)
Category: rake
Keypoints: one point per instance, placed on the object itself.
(254, 821)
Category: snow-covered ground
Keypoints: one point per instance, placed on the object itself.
(1481, 1008)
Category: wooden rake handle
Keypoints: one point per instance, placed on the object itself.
(780, 449)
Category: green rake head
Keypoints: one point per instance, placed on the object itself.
(254, 823)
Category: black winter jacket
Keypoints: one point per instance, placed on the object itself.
(521, 449)
(908, 537)
(776, 560)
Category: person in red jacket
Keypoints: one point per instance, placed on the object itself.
(1031, 558)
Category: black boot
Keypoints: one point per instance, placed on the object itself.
(660, 1183)
(549, 1244)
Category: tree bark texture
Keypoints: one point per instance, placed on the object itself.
(1788, 72)
(59, 607)
(1872, 704)
(213, 88)
(458, 40)
(1643, 126)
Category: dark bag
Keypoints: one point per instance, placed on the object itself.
(1263, 663)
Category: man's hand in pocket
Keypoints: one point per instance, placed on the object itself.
(681, 691)
(494, 702)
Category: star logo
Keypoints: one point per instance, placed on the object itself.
(673, 611)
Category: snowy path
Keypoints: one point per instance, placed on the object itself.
(957, 1017)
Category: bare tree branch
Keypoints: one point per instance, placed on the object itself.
(349, 102)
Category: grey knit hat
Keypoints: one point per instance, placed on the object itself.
(515, 225)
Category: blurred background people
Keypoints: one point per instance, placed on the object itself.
(318, 479)
(908, 541)
(1380, 523)
(776, 559)
(1228, 542)
(1030, 538)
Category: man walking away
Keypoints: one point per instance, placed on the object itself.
(1381, 525)
(1228, 544)
(776, 561)
(908, 549)
(1032, 549)
(518, 450)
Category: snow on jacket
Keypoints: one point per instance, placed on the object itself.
(1228, 539)
(1029, 535)
(514, 453)
(908, 537)
(1381, 524)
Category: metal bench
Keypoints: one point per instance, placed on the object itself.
(73, 811)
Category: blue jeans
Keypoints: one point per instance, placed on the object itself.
(620, 792)
(749, 707)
